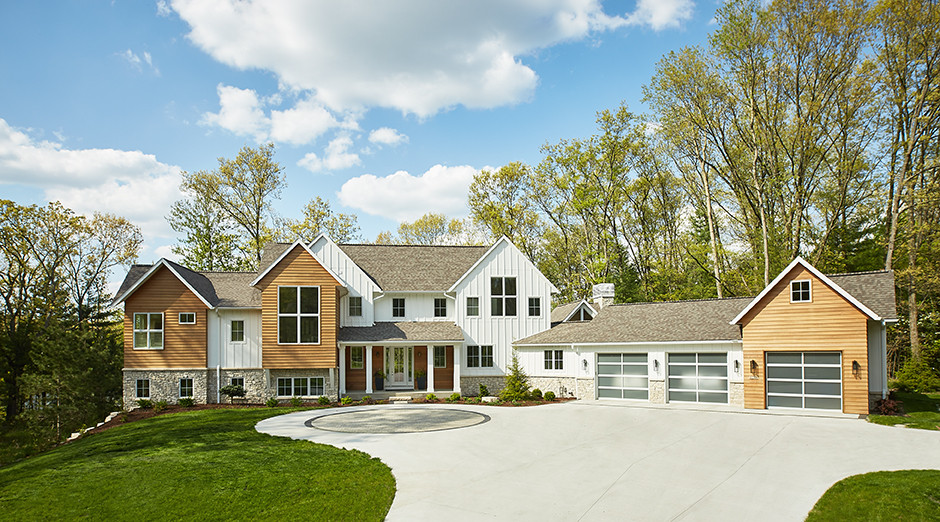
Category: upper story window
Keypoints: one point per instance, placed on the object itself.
(187, 318)
(398, 307)
(355, 357)
(473, 306)
(440, 307)
(800, 291)
(535, 306)
(355, 306)
(148, 331)
(503, 296)
(238, 331)
(298, 315)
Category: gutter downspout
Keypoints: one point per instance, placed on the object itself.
(218, 367)
(884, 359)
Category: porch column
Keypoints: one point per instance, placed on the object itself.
(368, 350)
(342, 370)
(456, 368)
(430, 369)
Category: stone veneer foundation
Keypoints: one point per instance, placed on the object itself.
(470, 386)
(256, 385)
(657, 392)
(330, 381)
(164, 385)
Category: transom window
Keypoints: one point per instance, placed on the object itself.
(503, 296)
(299, 386)
(186, 388)
(187, 318)
(355, 357)
(143, 389)
(554, 360)
(355, 306)
(398, 307)
(479, 356)
(473, 306)
(440, 307)
(800, 291)
(298, 314)
(440, 356)
(238, 331)
(238, 381)
(535, 306)
(148, 331)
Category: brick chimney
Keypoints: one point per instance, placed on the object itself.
(603, 295)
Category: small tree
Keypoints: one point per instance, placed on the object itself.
(517, 382)
(231, 391)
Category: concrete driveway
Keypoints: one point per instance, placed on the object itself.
(604, 460)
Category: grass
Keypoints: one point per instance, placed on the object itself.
(208, 464)
(883, 495)
(923, 412)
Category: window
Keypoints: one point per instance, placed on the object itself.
(398, 307)
(473, 357)
(553, 360)
(298, 314)
(582, 315)
(187, 318)
(238, 381)
(143, 388)
(299, 386)
(440, 356)
(486, 356)
(800, 291)
(238, 331)
(355, 306)
(535, 307)
(473, 306)
(148, 331)
(186, 388)
(503, 296)
(355, 357)
(440, 307)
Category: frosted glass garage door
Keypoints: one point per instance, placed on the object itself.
(698, 377)
(622, 376)
(804, 380)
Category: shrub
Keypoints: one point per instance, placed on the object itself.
(887, 406)
(323, 400)
(473, 400)
(145, 403)
(160, 406)
(231, 391)
(345, 400)
(367, 400)
(917, 376)
(536, 394)
(187, 402)
(483, 390)
(296, 401)
(271, 403)
(454, 397)
(431, 397)
(517, 382)
(549, 396)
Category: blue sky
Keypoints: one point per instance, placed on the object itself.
(384, 108)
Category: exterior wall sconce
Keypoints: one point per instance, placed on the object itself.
(753, 366)
(584, 363)
(856, 369)
(656, 366)
(737, 366)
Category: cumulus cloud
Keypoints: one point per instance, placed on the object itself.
(336, 156)
(387, 136)
(404, 197)
(661, 14)
(127, 183)
(163, 9)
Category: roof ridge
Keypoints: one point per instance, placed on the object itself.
(225, 271)
(410, 245)
(683, 301)
(864, 272)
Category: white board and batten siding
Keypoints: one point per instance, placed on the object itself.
(356, 281)
(418, 307)
(503, 260)
(222, 350)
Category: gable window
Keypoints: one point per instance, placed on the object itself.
(473, 306)
(398, 307)
(503, 296)
(238, 331)
(355, 357)
(535, 306)
(440, 307)
(298, 314)
(800, 291)
(355, 306)
(440, 356)
(143, 389)
(554, 360)
(186, 388)
(299, 386)
(148, 331)
(187, 318)
(582, 315)
(238, 381)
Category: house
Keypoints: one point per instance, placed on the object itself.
(322, 319)
(806, 341)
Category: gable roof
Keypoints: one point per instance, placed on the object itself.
(562, 313)
(875, 289)
(288, 250)
(486, 254)
(414, 268)
(195, 282)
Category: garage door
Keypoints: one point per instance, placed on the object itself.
(804, 380)
(698, 377)
(622, 376)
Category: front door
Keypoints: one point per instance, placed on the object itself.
(398, 363)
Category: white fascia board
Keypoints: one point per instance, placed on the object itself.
(400, 343)
(828, 282)
(153, 270)
(290, 249)
(576, 308)
(632, 343)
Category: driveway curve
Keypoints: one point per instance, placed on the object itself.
(605, 460)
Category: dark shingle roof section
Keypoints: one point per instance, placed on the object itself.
(197, 281)
(873, 289)
(133, 275)
(233, 290)
(414, 268)
(705, 320)
(431, 331)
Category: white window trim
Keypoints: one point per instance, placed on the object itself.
(300, 315)
(137, 389)
(436, 300)
(810, 284)
(181, 321)
(349, 306)
(492, 356)
(504, 296)
(231, 331)
(404, 307)
(309, 387)
(148, 331)
(434, 355)
(192, 388)
(352, 361)
(554, 356)
(529, 306)
(478, 358)
(467, 304)
(232, 381)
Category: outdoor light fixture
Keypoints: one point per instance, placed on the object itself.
(856, 368)
(753, 366)
(584, 363)
(656, 365)
(737, 366)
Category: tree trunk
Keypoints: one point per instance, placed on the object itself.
(711, 224)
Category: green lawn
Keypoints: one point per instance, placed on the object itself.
(208, 464)
(883, 495)
(923, 411)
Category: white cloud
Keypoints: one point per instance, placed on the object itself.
(127, 183)
(163, 9)
(661, 14)
(403, 197)
(416, 56)
(387, 136)
(336, 156)
(137, 62)
(240, 112)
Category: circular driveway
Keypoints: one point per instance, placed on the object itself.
(397, 420)
(607, 460)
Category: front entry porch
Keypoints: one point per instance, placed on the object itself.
(411, 367)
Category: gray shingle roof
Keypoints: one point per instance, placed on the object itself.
(430, 331)
(135, 273)
(233, 290)
(873, 289)
(561, 312)
(414, 268)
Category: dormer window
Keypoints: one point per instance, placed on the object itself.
(800, 291)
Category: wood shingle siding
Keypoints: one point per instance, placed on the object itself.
(184, 345)
(299, 268)
(828, 323)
